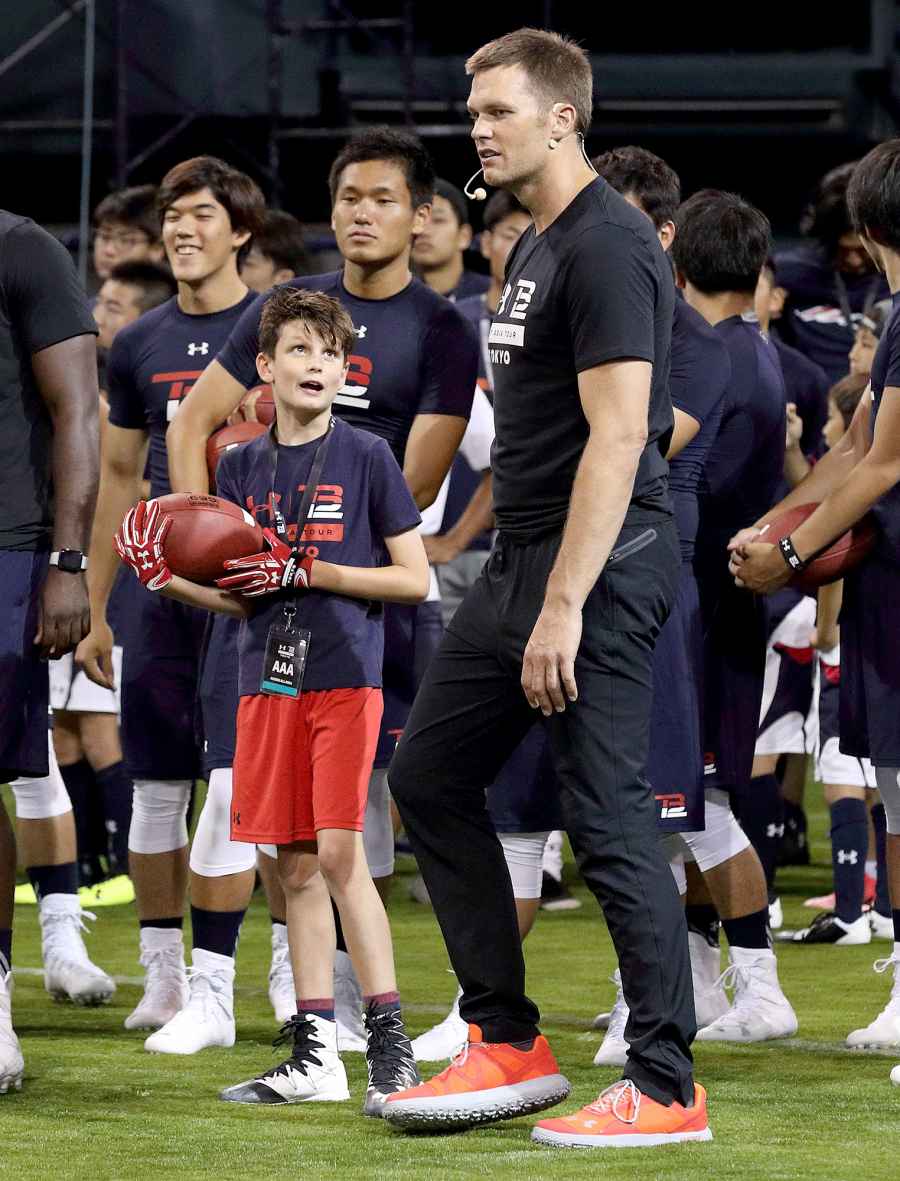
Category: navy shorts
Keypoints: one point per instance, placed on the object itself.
(218, 692)
(162, 640)
(870, 663)
(675, 756)
(735, 632)
(411, 638)
(24, 677)
(525, 797)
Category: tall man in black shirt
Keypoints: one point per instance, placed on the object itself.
(49, 460)
(562, 621)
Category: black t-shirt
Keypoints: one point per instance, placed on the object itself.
(806, 384)
(471, 283)
(885, 373)
(152, 365)
(414, 354)
(594, 287)
(41, 304)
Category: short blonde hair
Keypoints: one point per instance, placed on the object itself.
(558, 69)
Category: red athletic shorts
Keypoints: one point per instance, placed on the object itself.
(303, 763)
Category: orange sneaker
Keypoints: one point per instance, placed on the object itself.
(624, 1117)
(484, 1083)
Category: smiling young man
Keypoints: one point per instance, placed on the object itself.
(580, 355)
(860, 473)
(209, 211)
(411, 381)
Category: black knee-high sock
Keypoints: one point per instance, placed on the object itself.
(80, 784)
(761, 816)
(338, 929)
(882, 890)
(849, 841)
(117, 789)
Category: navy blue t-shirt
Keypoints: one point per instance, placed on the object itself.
(361, 499)
(414, 354)
(154, 362)
(700, 373)
(813, 319)
(470, 285)
(744, 466)
(886, 372)
(806, 385)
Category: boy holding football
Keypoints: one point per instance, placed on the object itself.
(332, 500)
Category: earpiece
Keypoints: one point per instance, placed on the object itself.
(478, 194)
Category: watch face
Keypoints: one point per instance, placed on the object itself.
(70, 561)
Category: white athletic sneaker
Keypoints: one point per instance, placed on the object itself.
(12, 1064)
(882, 925)
(281, 978)
(208, 1017)
(165, 982)
(68, 971)
(776, 915)
(710, 998)
(760, 1011)
(885, 1029)
(614, 1048)
(444, 1041)
(348, 1007)
(314, 1073)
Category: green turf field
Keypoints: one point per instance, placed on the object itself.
(95, 1105)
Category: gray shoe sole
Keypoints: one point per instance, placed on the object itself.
(456, 1112)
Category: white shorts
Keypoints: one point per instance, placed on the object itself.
(784, 712)
(832, 766)
(72, 689)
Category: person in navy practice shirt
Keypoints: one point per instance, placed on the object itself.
(48, 484)
(440, 250)
(560, 626)
(208, 211)
(411, 381)
(342, 537)
(830, 281)
(860, 473)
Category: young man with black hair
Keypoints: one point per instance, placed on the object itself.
(126, 229)
(830, 281)
(48, 486)
(277, 252)
(209, 211)
(411, 381)
(439, 251)
(132, 288)
(860, 473)
(583, 419)
(720, 246)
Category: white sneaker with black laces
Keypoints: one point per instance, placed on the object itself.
(208, 1017)
(710, 998)
(389, 1057)
(828, 928)
(613, 1049)
(884, 1031)
(760, 1011)
(348, 1006)
(68, 971)
(165, 980)
(12, 1064)
(314, 1073)
(444, 1040)
(282, 994)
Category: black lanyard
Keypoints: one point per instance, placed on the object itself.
(312, 483)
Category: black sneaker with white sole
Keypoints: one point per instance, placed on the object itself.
(556, 895)
(389, 1057)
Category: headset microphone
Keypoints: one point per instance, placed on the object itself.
(478, 194)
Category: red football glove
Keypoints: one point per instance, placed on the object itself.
(277, 568)
(139, 541)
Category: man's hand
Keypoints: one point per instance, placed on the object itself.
(64, 614)
(94, 654)
(743, 536)
(277, 568)
(548, 666)
(246, 411)
(794, 427)
(440, 549)
(759, 566)
(139, 542)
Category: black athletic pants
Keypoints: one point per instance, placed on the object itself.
(470, 714)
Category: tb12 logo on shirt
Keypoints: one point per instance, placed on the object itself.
(514, 305)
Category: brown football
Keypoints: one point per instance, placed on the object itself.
(206, 532)
(843, 555)
(226, 438)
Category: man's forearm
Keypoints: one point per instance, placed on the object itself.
(477, 516)
(186, 446)
(118, 493)
(600, 498)
(207, 598)
(76, 464)
(866, 484)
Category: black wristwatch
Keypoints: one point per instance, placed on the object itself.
(72, 561)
